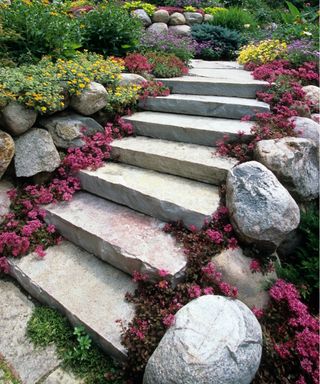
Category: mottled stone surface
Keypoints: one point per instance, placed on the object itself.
(207, 18)
(158, 28)
(35, 152)
(7, 149)
(313, 95)
(180, 30)
(142, 15)
(59, 376)
(68, 130)
(177, 18)
(91, 100)
(17, 119)
(307, 128)
(161, 16)
(235, 269)
(214, 340)
(295, 163)
(5, 186)
(131, 78)
(193, 18)
(29, 362)
(261, 210)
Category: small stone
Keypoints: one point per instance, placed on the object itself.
(7, 149)
(68, 130)
(142, 15)
(177, 19)
(207, 18)
(214, 340)
(295, 163)
(313, 95)
(131, 79)
(35, 153)
(5, 202)
(235, 269)
(91, 100)
(193, 18)
(307, 128)
(262, 211)
(161, 16)
(181, 30)
(17, 119)
(158, 28)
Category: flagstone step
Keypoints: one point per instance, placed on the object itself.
(188, 129)
(219, 82)
(196, 162)
(85, 289)
(214, 106)
(163, 196)
(126, 239)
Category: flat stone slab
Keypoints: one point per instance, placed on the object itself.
(59, 376)
(188, 129)
(85, 289)
(166, 197)
(215, 64)
(124, 238)
(217, 82)
(215, 106)
(196, 162)
(30, 363)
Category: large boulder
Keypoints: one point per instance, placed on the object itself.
(193, 18)
(313, 95)
(68, 130)
(235, 269)
(91, 100)
(131, 79)
(180, 30)
(261, 210)
(295, 163)
(161, 16)
(142, 15)
(5, 201)
(214, 340)
(35, 153)
(17, 119)
(7, 150)
(307, 128)
(177, 19)
(158, 28)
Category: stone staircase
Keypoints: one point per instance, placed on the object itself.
(169, 171)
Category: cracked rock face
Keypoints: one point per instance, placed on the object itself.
(214, 340)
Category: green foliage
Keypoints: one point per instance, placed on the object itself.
(293, 15)
(290, 32)
(147, 7)
(110, 30)
(234, 18)
(165, 65)
(75, 348)
(7, 377)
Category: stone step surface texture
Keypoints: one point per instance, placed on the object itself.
(196, 162)
(160, 195)
(128, 240)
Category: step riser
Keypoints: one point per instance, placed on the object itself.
(200, 108)
(219, 89)
(199, 172)
(140, 202)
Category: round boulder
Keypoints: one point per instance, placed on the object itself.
(131, 79)
(91, 100)
(7, 149)
(142, 15)
(161, 16)
(181, 30)
(207, 18)
(313, 95)
(158, 28)
(307, 128)
(295, 163)
(177, 19)
(261, 210)
(214, 340)
(193, 18)
(17, 119)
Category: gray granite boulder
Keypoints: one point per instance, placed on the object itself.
(91, 100)
(161, 16)
(158, 28)
(35, 153)
(177, 19)
(17, 119)
(5, 202)
(313, 95)
(307, 128)
(295, 163)
(180, 30)
(131, 78)
(215, 340)
(207, 18)
(261, 210)
(193, 18)
(68, 131)
(7, 149)
(142, 15)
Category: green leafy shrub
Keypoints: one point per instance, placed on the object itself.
(147, 7)
(216, 42)
(234, 18)
(109, 29)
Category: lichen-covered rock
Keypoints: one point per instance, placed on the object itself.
(215, 340)
(307, 128)
(142, 15)
(131, 79)
(17, 119)
(161, 16)
(180, 30)
(193, 18)
(313, 95)
(7, 149)
(177, 19)
(295, 163)
(158, 28)
(261, 210)
(68, 131)
(91, 100)
(35, 153)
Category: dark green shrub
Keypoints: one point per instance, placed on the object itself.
(216, 42)
(235, 18)
(109, 29)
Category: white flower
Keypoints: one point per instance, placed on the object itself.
(247, 25)
(306, 33)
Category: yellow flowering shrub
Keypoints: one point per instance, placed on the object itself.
(189, 8)
(132, 5)
(214, 10)
(122, 97)
(263, 52)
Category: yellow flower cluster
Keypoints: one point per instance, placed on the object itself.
(132, 5)
(189, 8)
(213, 10)
(122, 97)
(263, 52)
